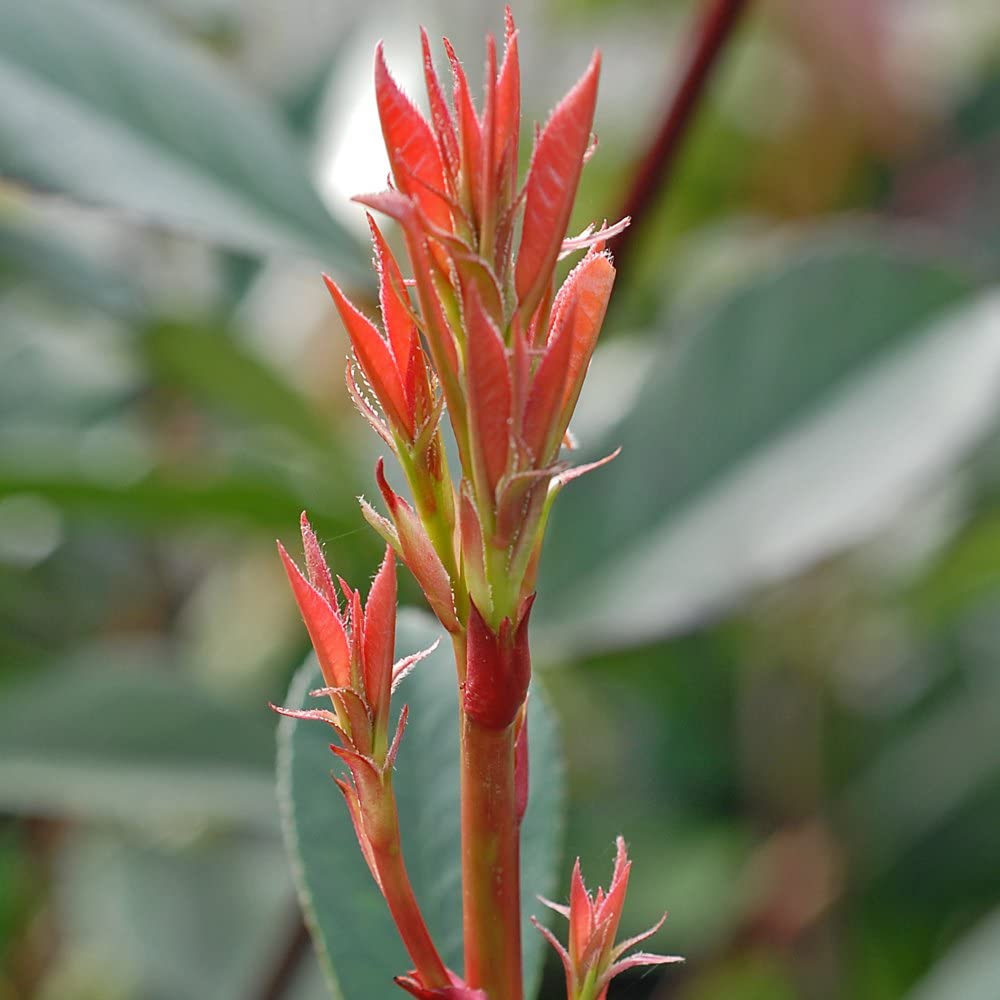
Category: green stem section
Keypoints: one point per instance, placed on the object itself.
(398, 891)
(490, 862)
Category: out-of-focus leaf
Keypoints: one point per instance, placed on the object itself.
(970, 970)
(162, 499)
(207, 919)
(955, 753)
(133, 742)
(965, 570)
(36, 253)
(792, 419)
(357, 942)
(109, 106)
(214, 366)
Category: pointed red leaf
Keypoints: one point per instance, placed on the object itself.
(354, 809)
(488, 389)
(356, 636)
(380, 636)
(551, 188)
(355, 711)
(323, 625)
(375, 358)
(639, 958)
(444, 126)
(487, 193)
(580, 914)
(581, 304)
(469, 131)
(443, 351)
(413, 152)
(401, 668)
(364, 407)
(390, 757)
(472, 548)
(542, 428)
(316, 567)
(624, 946)
(610, 908)
(398, 323)
(307, 715)
(419, 555)
(508, 107)
(560, 950)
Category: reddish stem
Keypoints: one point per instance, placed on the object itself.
(490, 861)
(709, 37)
(398, 892)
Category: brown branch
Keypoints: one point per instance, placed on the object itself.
(709, 36)
(287, 961)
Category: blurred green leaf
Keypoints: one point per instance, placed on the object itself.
(108, 105)
(215, 367)
(970, 970)
(966, 570)
(788, 421)
(169, 498)
(133, 742)
(956, 754)
(40, 254)
(352, 929)
(172, 922)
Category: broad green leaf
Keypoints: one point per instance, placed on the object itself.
(134, 742)
(109, 105)
(791, 419)
(351, 927)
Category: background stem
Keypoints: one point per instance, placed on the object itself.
(709, 36)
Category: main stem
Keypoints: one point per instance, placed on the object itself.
(490, 861)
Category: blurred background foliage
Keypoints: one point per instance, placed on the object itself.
(770, 630)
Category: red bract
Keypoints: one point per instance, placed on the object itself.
(593, 958)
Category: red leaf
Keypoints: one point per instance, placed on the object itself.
(316, 567)
(413, 153)
(380, 636)
(396, 317)
(375, 358)
(444, 126)
(508, 104)
(580, 914)
(419, 554)
(323, 625)
(581, 304)
(489, 393)
(487, 192)
(541, 425)
(469, 131)
(551, 188)
(354, 808)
